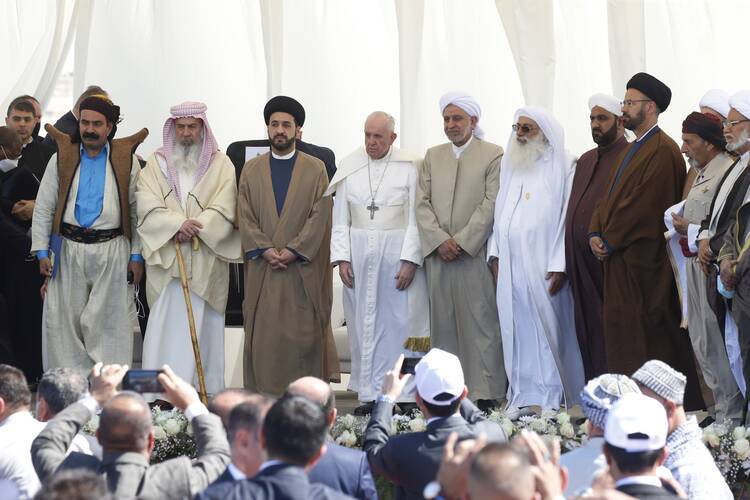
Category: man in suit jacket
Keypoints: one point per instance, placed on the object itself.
(635, 436)
(412, 460)
(294, 433)
(68, 123)
(127, 438)
(343, 469)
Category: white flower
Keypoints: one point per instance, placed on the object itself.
(563, 418)
(739, 433)
(742, 448)
(548, 414)
(348, 420)
(538, 425)
(567, 430)
(417, 425)
(507, 426)
(94, 423)
(720, 430)
(159, 433)
(172, 427)
(347, 439)
(161, 417)
(711, 439)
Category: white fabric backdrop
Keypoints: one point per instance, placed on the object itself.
(343, 59)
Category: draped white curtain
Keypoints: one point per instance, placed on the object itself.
(343, 59)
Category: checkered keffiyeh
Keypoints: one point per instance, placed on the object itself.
(209, 149)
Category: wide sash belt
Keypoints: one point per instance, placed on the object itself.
(85, 235)
(386, 217)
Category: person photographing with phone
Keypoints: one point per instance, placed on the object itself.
(411, 460)
(127, 438)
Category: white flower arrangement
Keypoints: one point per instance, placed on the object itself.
(173, 434)
(730, 449)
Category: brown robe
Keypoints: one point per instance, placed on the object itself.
(641, 309)
(583, 268)
(287, 313)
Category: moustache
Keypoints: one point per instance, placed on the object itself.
(90, 135)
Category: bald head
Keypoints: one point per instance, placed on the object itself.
(316, 391)
(224, 401)
(125, 424)
(500, 472)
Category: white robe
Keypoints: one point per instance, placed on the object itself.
(212, 201)
(538, 331)
(379, 317)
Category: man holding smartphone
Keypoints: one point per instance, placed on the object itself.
(127, 438)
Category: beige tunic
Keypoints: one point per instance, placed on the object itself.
(287, 312)
(456, 199)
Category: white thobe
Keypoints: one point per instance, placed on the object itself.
(538, 331)
(212, 202)
(379, 317)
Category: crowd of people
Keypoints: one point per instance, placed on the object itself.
(536, 270)
(254, 446)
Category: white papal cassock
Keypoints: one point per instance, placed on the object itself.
(212, 201)
(538, 332)
(379, 317)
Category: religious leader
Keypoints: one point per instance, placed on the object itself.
(187, 193)
(375, 243)
(285, 225)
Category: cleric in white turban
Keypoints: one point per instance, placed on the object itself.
(187, 196)
(715, 102)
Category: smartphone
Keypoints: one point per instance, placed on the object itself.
(409, 365)
(142, 381)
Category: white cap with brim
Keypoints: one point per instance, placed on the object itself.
(439, 372)
(636, 423)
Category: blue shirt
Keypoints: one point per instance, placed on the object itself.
(92, 175)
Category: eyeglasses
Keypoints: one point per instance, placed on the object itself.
(728, 124)
(630, 102)
(523, 128)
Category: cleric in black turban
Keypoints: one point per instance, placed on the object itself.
(286, 105)
(653, 88)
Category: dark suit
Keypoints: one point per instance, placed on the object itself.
(68, 123)
(129, 474)
(646, 491)
(345, 470)
(276, 482)
(412, 460)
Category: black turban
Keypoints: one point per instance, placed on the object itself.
(653, 88)
(285, 105)
(707, 127)
(100, 104)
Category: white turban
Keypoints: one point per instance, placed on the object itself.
(466, 103)
(716, 99)
(741, 102)
(606, 101)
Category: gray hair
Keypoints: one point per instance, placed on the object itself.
(61, 387)
(390, 120)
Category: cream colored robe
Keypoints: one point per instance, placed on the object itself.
(287, 312)
(456, 199)
(213, 203)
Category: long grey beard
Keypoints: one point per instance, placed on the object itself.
(522, 155)
(185, 158)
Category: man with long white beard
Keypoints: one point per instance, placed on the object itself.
(527, 256)
(187, 196)
(733, 260)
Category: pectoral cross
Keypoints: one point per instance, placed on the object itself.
(372, 207)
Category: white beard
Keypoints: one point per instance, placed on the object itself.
(739, 142)
(185, 158)
(524, 155)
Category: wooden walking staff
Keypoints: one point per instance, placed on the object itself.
(191, 322)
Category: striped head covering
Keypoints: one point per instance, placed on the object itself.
(210, 146)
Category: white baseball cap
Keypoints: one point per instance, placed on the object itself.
(436, 373)
(636, 423)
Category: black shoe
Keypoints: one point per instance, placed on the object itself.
(487, 405)
(407, 408)
(364, 409)
(161, 404)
